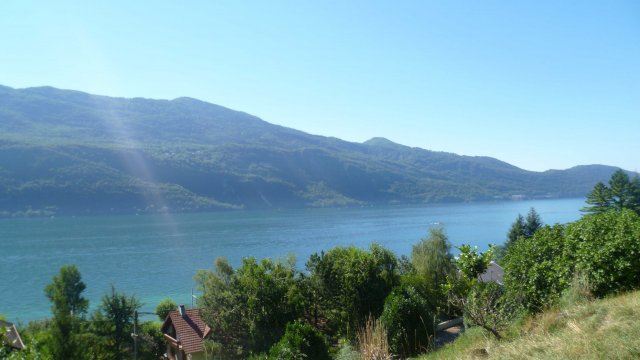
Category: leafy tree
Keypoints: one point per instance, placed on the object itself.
(68, 306)
(487, 306)
(432, 259)
(65, 292)
(471, 262)
(165, 307)
(354, 284)
(113, 323)
(248, 308)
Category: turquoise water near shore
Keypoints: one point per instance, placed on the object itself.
(156, 256)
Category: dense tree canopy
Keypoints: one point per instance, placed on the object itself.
(354, 283)
(603, 247)
(249, 308)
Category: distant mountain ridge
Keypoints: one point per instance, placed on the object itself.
(69, 152)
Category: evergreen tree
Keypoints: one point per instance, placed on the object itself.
(68, 306)
(622, 193)
(621, 190)
(534, 222)
(516, 231)
(599, 199)
(113, 323)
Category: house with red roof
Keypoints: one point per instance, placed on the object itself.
(185, 332)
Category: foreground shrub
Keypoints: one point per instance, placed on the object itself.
(603, 248)
(537, 270)
(248, 308)
(352, 283)
(300, 341)
(347, 352)
(486, 306)
(606, 248)
(409, 319)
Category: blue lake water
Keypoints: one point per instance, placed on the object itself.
(156, 256)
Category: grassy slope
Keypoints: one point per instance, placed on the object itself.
(602, 329)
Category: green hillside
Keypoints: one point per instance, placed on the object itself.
(603, 329)
(69, 152)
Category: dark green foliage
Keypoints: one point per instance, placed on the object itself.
(409, 317)
(516, 231)
(152, 344)
(165, 307)
(520, 229)
(65, 292)
(353, 284)
(599, 199)
(622, 193)
(66, 152)
(248, 308)
(300, 341)
(68, 306)
(113, 324)
(533, 223)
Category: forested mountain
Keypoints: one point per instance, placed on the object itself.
(70, 152)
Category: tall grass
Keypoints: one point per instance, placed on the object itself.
(372, 341)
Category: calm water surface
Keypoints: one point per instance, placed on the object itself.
(156, 256)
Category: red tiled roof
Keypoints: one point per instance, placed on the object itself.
(190, 329)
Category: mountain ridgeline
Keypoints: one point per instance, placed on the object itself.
(68, 152)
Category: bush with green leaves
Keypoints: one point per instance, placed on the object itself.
(603, 247)
(537, 271)
(409, 316)
(352, 283)
(471, 262)
(487, 306)
(300, 341)
(248, 308)
(606, 248)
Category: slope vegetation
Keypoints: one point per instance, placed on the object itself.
(602, 329)
(65, 151)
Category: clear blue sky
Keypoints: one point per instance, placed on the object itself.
(539, 84)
